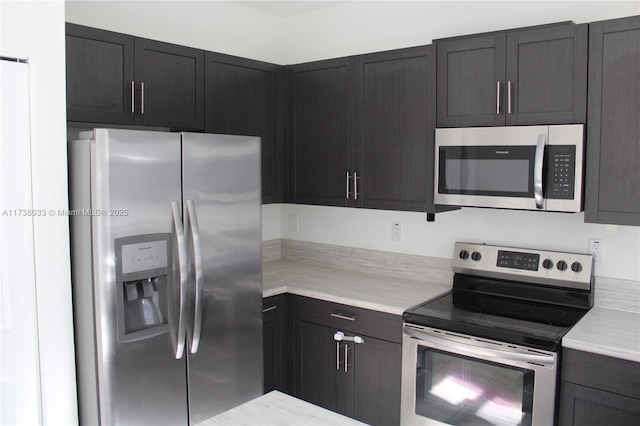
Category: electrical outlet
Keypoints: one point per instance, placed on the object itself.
(396, 231)
(596, 249)
(293, 222)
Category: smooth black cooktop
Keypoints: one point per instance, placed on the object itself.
(523, 322)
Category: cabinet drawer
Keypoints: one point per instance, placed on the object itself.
(344, 317)
(601, 372)
(272, 307)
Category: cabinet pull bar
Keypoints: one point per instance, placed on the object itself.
(133, 97)
(355, 185)
(509, 110)
(343, 317)
(337, 355)
(346, 357)
(142, 98)
(498, 97)
(270, 308)
(348, 179)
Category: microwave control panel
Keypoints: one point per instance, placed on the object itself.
(561, 172)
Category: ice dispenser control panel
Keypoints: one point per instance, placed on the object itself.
(143, 256)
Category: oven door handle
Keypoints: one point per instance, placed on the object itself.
(478, 349)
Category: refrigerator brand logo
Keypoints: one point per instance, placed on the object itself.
(145, 248)
(502, 152)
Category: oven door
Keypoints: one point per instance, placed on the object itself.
(450, 378)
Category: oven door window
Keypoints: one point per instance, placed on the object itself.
(459, 390)
(504, 171)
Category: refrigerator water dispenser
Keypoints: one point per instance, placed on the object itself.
(142, 306)
(143, 277)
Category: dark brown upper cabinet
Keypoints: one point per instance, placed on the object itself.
(363, 130)
(322, 132)
(100, 69)
(612, 192)
(529, 76)
(244, 97)
(115, 78)
(394, 128)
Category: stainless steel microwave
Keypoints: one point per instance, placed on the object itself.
(513, 167)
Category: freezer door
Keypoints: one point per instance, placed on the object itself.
(135, 178)
(222, 203)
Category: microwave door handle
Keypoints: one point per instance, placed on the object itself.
(537, 171)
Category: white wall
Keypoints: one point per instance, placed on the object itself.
(369, 26)
(217, 26)
(35, 30)
(552, 231)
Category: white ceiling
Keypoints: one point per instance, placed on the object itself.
(282, 9)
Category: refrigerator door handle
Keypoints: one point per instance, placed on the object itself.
(197, 260)
(183, 277)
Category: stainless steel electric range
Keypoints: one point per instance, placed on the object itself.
(487, 352)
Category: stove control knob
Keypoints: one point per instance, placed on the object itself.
(547, 264)
(576, 267)
(562, 265)
(476, 256)
(464, 255)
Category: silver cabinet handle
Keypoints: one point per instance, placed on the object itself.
(509, 109)
(537, 171)
(269, 309)
(348, 185)
(133, 97)
(199, 276)
(183, 275)
(340, 337)
(497, 97)
(343, 317)
(355, 185)
(346, 358)
(142, 98)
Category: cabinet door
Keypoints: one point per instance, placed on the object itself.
(613, 145)
(376, 375)
(273, 342)
(395, 118)
(170, 80)
(318, 364)
(100, 74)
(584, 406)
(242, 99)
(547, 75)
(470, 72)
(322, 120)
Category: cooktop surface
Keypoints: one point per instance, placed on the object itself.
(516, 321)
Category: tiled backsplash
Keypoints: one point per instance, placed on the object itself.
(361, 260)
(622, 295)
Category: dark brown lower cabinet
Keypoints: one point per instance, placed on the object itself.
(598, 390)
(273, 349)
(586, 406)
(359, 380)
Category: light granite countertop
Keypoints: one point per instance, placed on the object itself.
(608, 332)
(612, 326)
(276, 408)
(365, 290)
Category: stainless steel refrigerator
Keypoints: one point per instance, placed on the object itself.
(167, 275)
